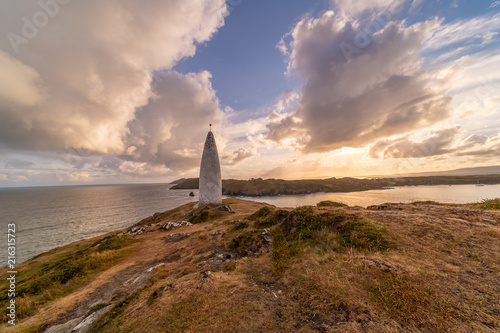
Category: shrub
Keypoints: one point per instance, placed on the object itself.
(247, 243)
(239, 226)
(230, 266)
(364, 234)
(491, 204)
(264, 211)
(328, 203)
(113, 243)
(202, 216)
(271, 220)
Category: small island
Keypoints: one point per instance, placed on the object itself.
(251, 267)
(272, 187)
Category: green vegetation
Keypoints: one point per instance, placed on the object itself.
(490, 204)
(264, 187)
(273, 219)
(202, 216)
(364, 235)
(238, 226)
(113, 243)
(264, 211)
(328, 203)
(312, 269)
(52, 278)
(246, 243)
(120, 307)
(97, 307)
(230, 266)
(332, 231)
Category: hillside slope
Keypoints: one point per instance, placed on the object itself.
(250, 267)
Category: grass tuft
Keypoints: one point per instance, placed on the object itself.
(364, 235)
(263, 212)
(97, 307)
(328, 203)
(271, 220)
(490, 203)
(238, 226)
(247, 243)
(113, 243)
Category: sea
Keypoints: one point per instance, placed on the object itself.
(48, 217)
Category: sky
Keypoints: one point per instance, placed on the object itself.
(123, 91)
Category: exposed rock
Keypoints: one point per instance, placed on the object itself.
(385, 206)
(137, 230)
(169, 286)
(225, 208)
(205, 277)
(176, 237)
(173, 225)
(266, 237)
(381, 264)
(490, 221)
(86, 324)
(114, 295)
(66, 327)
(215, 233)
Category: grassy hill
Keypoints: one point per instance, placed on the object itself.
(270, 187)
(250, 267)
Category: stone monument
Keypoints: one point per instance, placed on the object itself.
(210, 175)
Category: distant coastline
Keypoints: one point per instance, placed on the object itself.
(273, 187)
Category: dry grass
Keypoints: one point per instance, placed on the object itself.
(411, 268)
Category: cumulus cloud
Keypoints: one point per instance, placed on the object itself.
(171, 128)
(80, 75)
(365, 80)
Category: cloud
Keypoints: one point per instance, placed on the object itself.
(478, 147)
(83, 81)
(138, 169)
(415, 5)
(17, 163)
(363, 8)
(494, 4)
(365, 80)
(438, 143)
(441, 142)
(171, 128)
(19, 84)
(474, 140)
(477, 30)
(238, 156)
